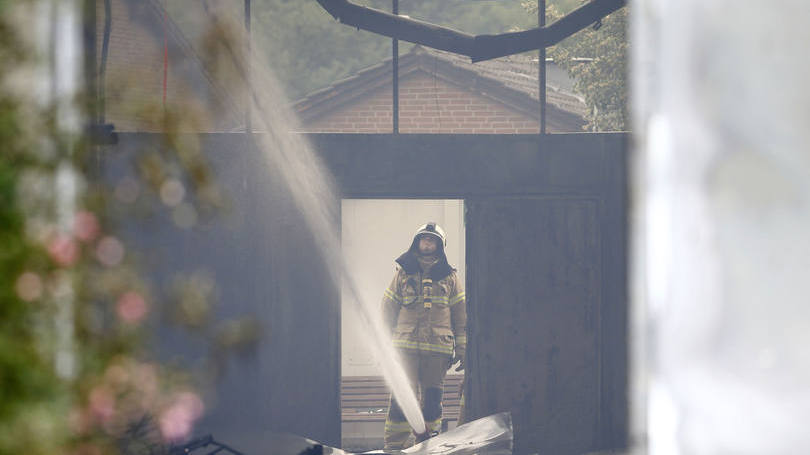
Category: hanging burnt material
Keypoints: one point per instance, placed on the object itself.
(478, 48)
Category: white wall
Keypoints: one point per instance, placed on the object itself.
(374, 233)
(722, 216)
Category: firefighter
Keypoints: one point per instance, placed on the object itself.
(425, 309)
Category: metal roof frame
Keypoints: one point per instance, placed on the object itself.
(477, 47)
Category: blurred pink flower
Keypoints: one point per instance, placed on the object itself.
(85, 226)
(110, 251)
(63, 249)
(102, 403)
(176, 421)
(29, 286)
(131, 307)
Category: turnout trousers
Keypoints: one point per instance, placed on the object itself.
(425, 371)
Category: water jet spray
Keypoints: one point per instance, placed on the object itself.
(312, 189)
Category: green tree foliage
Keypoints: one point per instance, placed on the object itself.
(476, 17)
(563, 6)
(309, 50)
(29, 390)
(596, 58)
(28, 387)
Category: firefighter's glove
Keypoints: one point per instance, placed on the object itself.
(459, 358)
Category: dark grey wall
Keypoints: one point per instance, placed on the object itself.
(266, 268)
(546, 267)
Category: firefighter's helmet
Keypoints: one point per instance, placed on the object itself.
(431, 228)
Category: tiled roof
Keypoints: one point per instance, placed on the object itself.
(515, 76)
(521, 73)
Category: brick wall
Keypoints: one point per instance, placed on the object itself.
(134, 75)
(426, 105)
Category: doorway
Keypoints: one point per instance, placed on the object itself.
(374, 232)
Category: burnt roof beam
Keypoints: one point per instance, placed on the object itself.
(399, 27)
(493, 46)
(478, 48)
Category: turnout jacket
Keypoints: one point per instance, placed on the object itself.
(425, 311)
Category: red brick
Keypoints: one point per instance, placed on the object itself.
(428, 105)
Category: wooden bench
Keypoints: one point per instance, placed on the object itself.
(365, 399)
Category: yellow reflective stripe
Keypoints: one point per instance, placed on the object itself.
(393, 296)
(409, 299)
(405, 344)
(461, 340)
(391, 425)
(457, 298)
(392, 429)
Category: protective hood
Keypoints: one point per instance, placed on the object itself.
(410, 264)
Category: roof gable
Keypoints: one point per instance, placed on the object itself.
(508, 81)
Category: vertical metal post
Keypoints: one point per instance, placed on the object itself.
(90, 56)
(395, 70)
(541, 62)
(102, 72)
(248, 61)
(165, 58)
